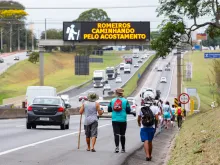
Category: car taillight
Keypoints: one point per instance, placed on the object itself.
(142, 102)
(30, 108)
(61, 109)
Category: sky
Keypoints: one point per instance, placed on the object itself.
(56, 17)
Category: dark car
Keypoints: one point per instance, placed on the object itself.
(128, 60)
(48, 111)
(1, 60)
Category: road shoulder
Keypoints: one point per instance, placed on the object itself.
(161, 146)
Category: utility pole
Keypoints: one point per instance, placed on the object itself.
(26, 38)
(32, 40)
(45, 28)
(1, 38)
(11, 37)
(19, 48)
(41, 68)
(179, 76)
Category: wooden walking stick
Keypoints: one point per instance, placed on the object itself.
(79, 131)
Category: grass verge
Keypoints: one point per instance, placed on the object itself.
(198, 142)
(59, 72)
(132, 83)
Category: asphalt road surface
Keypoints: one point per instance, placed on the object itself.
(9, 61)
(52, 146)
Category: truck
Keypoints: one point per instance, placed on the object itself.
(127, 68)
(128, 60)
(99, 78)
(111, 72)
(135, 51)
(149, 95)
(35, 91)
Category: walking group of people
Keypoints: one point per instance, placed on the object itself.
(151, 116)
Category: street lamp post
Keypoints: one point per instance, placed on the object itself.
(1, 38)
(19, 47)
(11, 37)
(45, 28)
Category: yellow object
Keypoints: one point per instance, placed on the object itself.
(191, 106)
(176, 102)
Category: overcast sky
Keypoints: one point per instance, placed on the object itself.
(56, 17)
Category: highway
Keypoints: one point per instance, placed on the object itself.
(75, 93)
(52, 146)
(9, 61)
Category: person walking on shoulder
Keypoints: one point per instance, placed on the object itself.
(167, 114)
(120, 107)
(173, 110)
(90, 108)
(180, 114)
(146, 120)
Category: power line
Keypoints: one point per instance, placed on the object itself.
(79, 8)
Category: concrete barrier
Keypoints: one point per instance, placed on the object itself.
(10, 113)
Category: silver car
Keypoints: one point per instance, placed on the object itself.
(118, 80)
(107, 87)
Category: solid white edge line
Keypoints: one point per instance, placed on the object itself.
(48, 140)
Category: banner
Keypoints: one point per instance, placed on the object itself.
(201, 36)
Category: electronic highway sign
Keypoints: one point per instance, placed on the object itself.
(106, 31)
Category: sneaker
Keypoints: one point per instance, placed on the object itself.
(123, 151)
(117, 150)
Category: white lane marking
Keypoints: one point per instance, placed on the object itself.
(50, 139)
(20, 125)
(168, 93)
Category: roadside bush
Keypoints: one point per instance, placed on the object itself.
(34, 57)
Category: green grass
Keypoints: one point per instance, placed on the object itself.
(201, 72)
(198, 142)
(132, 83)
(59, 73)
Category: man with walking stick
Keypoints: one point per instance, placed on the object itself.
(90, 108)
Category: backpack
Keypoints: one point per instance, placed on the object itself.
(179, 112)
(117, 105)
(148, 118)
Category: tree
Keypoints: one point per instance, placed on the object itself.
(154, 35)
(93, 15)
(173, 30)
(34, 57)
(53, 34)
(211, 42)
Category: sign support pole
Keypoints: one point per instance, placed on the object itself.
(41, 71)
(178, 71)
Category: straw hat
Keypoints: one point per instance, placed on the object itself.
(119, 91)
(93, 97)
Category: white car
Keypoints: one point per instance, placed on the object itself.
(140, 61)
(133, 105)
(142, 57)
(118, 80)
(16, 58)
(159, 69)
(163, 80)
(107, 87)
(136, 65)
(104, 107)
(122, 65)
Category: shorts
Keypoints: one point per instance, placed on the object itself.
(173, 118)
(167, 116)
(147, 134)
(91, 130)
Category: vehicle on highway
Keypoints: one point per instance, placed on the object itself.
(48, 111)
(164, 57)
(122, 65)
(107, 87)
(104, 107)
(16, 58)
(135, 51)
(163, 80)
(28, 53)
(99, 78)
(118, 80)
(127, 68)
(135, 56)
(111, 72)
(133, 105)
(65, 98)
(143, 57)
(34, 91)
(118, 71)
(159, 69)
(128, 60)
(136, 65)
(140, 61)
(167, 68)
(1, 60)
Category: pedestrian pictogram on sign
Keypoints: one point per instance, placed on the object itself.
(184, 98)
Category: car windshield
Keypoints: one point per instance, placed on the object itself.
(104, 103)
(47, 101)
(109, 71)
(97, 78)
(107, 85)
